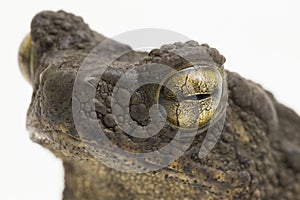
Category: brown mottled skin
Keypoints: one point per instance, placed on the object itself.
(256, 157)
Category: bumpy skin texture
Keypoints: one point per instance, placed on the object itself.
(256, 157)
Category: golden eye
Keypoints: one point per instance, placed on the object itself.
(191, 96)
(26, 58)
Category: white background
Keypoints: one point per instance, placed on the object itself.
(260, 40)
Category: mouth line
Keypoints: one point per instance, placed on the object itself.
(52, 137)
(198, 178)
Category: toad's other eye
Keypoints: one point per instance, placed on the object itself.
(26, 58)
(191, 96)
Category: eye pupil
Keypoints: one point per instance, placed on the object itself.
(196, 97)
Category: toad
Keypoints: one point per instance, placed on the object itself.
(256, 140)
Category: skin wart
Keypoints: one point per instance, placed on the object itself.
(256, 157)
